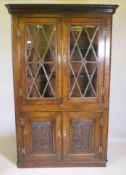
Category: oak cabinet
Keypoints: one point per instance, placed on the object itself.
(61, 61)
(41, 136)
(82, 134)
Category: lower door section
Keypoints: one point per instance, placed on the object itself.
(81, 135)
(42, 138)
(62, 139)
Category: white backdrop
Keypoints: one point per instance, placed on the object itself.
(117, 121)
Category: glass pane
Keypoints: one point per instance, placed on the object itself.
(74, 87)
(83, 42)
(40, 60)
(83, 59)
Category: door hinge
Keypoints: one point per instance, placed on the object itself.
(102, 91)
(23, 151)
(105, 31)
(18, 34)
(22, 121)
(100, 150)
(20, 92)
(101, 122)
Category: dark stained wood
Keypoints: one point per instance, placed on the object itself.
(61, 131)
(60, 8)
(34, 164)
(81, 135)
(42, 136)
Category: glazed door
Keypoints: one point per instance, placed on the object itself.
(83, 54)
(81, 135)
(40, 66)
(41, 135)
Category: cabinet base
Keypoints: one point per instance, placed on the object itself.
(39, 164)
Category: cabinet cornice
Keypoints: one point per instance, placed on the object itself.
(61, 8)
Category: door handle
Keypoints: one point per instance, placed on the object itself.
(64, 58)
(64, 132)
(59, 133)
(59, 59)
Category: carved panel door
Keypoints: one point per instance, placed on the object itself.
(40, 48)
(81, 135)
(83, 50)
(41, 135)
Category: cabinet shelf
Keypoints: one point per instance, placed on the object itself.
(84, 48)
(83, 75)
(38, 62)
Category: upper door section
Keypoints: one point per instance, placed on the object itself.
(40, 47)
(83, 53)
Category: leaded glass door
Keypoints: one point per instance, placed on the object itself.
(83, 51)
(40, 71)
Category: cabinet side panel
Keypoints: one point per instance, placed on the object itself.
(108, 40)
(16, 65)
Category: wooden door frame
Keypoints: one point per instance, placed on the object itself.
(27, 136)
(95, 116)
(101, 45)
(22, 23)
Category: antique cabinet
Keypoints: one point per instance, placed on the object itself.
(61, 62)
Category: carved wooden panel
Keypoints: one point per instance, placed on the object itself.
(81, 135)
(42, 136)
